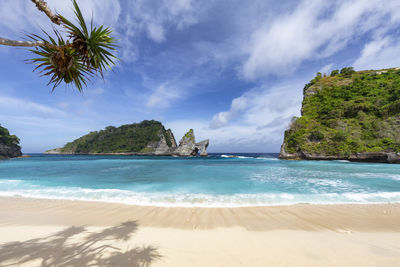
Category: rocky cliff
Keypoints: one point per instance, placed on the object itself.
(145, 138)
(348, 115)
(188, 146)
(166, 144)
(9, 147)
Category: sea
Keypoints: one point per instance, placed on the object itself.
(220, 180)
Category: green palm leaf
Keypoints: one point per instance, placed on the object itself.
(95, 46)
(59, 60)
(89, 50)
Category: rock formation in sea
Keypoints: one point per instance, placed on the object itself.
(348, 115)
(145, 138)
(188, 146)
(9, 145)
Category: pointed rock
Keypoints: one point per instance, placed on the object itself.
(187, 145)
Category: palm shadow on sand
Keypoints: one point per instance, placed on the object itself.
(77, 247)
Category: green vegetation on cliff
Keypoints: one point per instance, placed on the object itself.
(348, 112)
(136, 137)
(189, 136)
(6, 138)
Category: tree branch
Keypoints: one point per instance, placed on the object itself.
(8, 42)
(4, 41)
(42, 6)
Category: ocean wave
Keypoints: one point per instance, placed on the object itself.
(235, 157)
(395, 177)
(10, 182)
(263, 158)
(246, 157)
(330, 182)
(199, 200)
(121, 168)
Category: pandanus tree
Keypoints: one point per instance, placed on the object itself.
(74, 54)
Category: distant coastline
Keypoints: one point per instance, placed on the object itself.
(147, 138)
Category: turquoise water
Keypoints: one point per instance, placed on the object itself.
(252, 179)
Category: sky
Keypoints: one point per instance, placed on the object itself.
(233, 70)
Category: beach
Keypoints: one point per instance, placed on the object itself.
(42, 232)
(200, 133)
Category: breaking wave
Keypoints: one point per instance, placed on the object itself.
(195, 200)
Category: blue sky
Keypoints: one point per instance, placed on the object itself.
(232, 70)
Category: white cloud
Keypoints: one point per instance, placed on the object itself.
(95, 91)
(379, 54)
(62, 105)
(255, 121)
(163, 96)
(223, 118)
(327, 69)
(19, 106)
(153, 20)
(260, 106)
(127, 37)
(315, 29)
(41, 126)
(155, 17)
(156, 32)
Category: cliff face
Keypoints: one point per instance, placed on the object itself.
(188, 146)
(348, 115)
(145, 138)
(9, 151)
(9, 147)
(166, 144)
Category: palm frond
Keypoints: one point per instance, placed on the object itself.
(88, 51)
(95, 46)
(58, 60)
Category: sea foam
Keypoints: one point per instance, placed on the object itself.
(199, 200)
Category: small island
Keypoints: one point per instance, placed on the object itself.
(9, 145)
(348, 115)
(148, 138)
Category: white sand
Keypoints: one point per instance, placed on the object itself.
(298, 235)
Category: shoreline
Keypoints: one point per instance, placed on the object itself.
(79, 233)
(210, 201)
(362, 157)
(310, 217)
